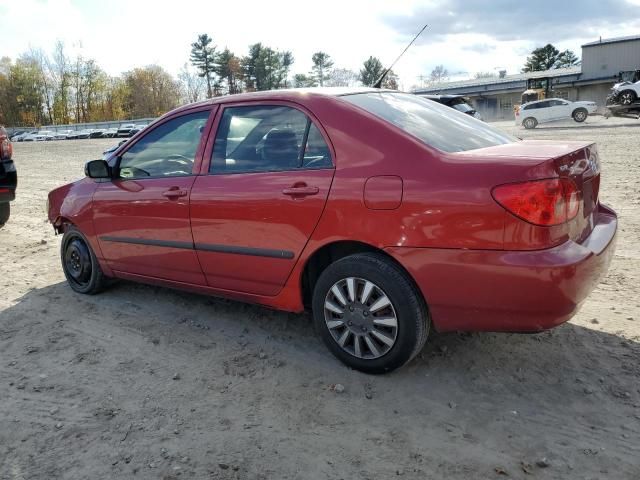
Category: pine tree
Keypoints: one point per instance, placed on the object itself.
(371, 70)
(549, 57)
(321, 64)
(203, 57)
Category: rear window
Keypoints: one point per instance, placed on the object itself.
(434, 124)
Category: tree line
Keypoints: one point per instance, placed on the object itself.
(58, 88)
(263, 68)
(38, 89)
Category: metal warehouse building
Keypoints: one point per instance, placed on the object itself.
(602, 61)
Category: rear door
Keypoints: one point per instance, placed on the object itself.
(542, 111)
(266, 186)
(559, 109)
(141, 216)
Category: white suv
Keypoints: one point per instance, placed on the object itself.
(531, 114)
(627, 92)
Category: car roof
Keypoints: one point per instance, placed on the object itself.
(544, 100)
(291, 94)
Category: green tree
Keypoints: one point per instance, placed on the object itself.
(371, 70)
(229, 70)
(203, 57)
(549, 57)
(300, 80)
(321, 64)
(287, 60)
(265, 68)
(567, 59)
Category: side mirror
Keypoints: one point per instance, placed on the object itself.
(97, 169)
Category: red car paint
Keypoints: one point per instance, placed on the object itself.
(478, 266)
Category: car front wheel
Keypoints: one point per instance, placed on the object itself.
(580, 115)
(369, 313)
(80, 264)
(627, 97)
(530, 123)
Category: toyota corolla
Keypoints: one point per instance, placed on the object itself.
(385, 214)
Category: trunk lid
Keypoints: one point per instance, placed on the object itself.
(543, 159)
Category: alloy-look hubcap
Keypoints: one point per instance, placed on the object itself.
(361, 318)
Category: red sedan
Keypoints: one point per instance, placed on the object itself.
(385, 213)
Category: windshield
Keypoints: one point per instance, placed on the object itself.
(434, 124)
(463, 107)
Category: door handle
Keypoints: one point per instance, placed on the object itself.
(175, 192)
(301, 191)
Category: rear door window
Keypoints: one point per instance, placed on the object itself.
(267, 138)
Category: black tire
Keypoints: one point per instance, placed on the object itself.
(529, 123)
(627, 97)
(580, 115)
(79, 263)
(5, 213)
(409, 308)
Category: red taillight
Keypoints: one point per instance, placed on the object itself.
(6, 149)
(541, 202)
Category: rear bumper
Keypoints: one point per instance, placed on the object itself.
(514, 291)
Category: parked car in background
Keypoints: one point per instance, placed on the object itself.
(110, 132)
(40, 136)
(8, 177)
(107, 153)
(96, 133)
(21, 136)
(385, 213)
(125, 130)
(531, 114)
(457, 102)
(79, 134)
(61, 134)
(16, 134)
(136, 129)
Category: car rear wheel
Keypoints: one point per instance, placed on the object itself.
(580, 115)
(79, 263)
(5, 213)
(627, 97)
(530, 123)
(369, 313)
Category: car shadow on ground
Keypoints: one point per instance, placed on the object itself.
(571, 394)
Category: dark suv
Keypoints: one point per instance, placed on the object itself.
(457, 102)
(8, 176)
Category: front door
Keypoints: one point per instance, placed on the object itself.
(141, 217)
(268, 181)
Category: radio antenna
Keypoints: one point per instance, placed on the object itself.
(378, 83)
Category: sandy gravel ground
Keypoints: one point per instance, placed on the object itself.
(144, 382)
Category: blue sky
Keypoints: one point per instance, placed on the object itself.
(466, 36)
